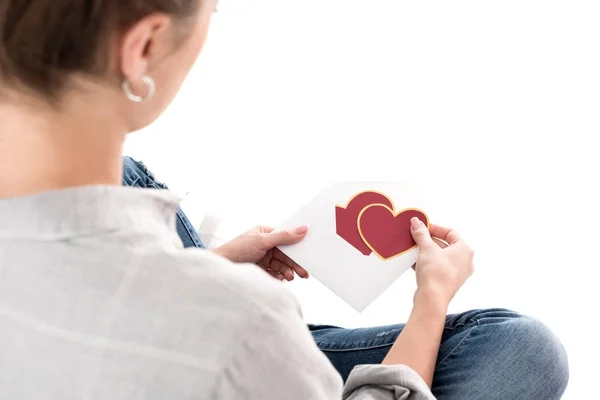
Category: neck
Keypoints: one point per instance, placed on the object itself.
(43, 149)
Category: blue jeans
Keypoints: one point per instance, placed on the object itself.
(484, 354)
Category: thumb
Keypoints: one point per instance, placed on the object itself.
(420, 233)
(287, 237)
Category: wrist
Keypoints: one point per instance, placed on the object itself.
(433, 301)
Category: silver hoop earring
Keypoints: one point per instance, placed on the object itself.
(150, 86)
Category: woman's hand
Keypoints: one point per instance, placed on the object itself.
(258, 246)
(445, 261)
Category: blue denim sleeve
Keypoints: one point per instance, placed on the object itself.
(136, 174)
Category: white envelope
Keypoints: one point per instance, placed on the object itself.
(344, 268)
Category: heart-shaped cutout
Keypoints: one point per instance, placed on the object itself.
(346, 218)
(388, 233)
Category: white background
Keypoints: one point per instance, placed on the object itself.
(494, 105)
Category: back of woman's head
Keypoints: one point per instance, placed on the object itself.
(43, 42)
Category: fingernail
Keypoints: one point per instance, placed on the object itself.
(307, 275)
(415, 223)
(301, 230)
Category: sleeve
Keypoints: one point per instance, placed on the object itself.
(279, 360)
(385, 382)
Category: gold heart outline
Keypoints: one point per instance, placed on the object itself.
(394, 214)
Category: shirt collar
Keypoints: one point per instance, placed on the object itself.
(86, 210)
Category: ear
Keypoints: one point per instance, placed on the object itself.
(138, 45)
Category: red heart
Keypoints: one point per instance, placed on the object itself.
(346, 217)
(386, 233)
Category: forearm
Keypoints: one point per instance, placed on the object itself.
(418, 345)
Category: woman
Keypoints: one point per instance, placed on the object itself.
(97, 298)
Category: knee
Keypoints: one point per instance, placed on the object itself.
(536, 355)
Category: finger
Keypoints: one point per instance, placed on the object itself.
(287, 237)
(276, 265)
(265, 262)
(288, 274)
(446, 234)
(276, 275)
(440, 242)
(420, 234)
(264, 229)
(279, 255)
(283, 269)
